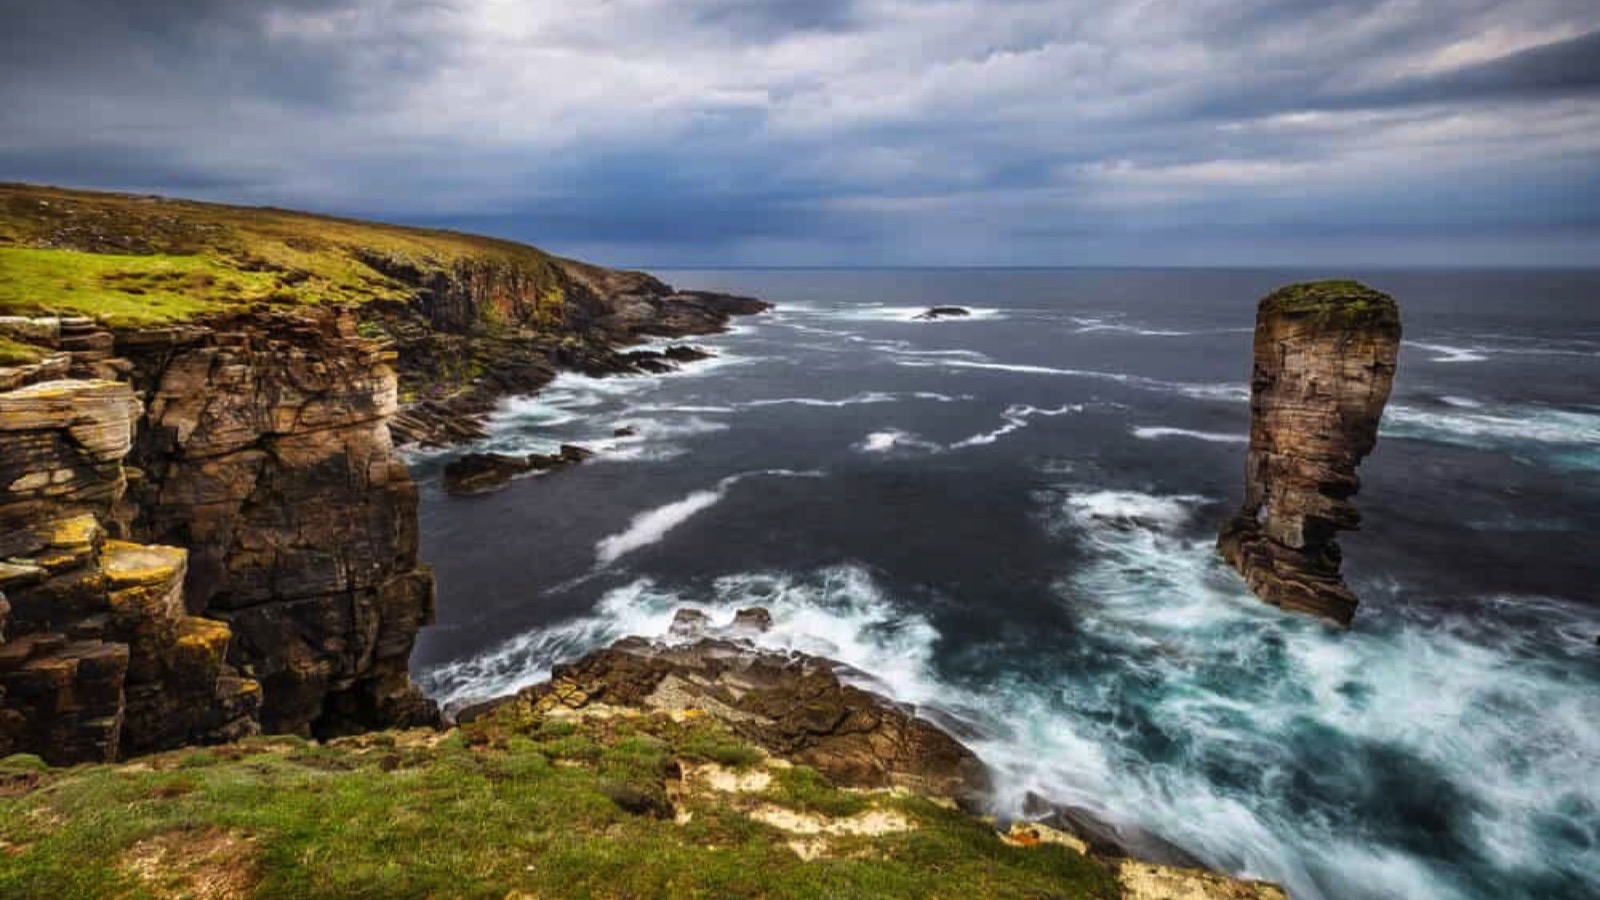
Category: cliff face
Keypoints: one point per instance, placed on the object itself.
(98, 655)
(223, 542)
(264, 449)
(1324, 364)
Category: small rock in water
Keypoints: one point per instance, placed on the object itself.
(476, 473)
(625, 431)
(683, 353)
(754, 619)
(575, 453)
(943, 312)
(689, 623)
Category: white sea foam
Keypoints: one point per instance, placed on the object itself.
(1464, 402)
(866, 397)
(1448, 354)
(911, 314)
(839, 613)
(1157, 432)
(652, 525)
(1089, 324)
(1492, 427)
(894, 439)
(1232, 393)
(1016, 418)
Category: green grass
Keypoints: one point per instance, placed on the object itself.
(1342, 302)
(137, 260)
(13, 353)
(121, 289)
(803, 788)
(502, 807)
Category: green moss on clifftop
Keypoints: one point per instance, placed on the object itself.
(609, 807)
(1342, 301)
(134, 260)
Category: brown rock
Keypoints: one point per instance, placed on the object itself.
(1324, 364)
(792, 704)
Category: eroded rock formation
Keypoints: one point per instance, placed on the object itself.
(221, 542)
(264, 449)
(98, 655)
(1324, 364)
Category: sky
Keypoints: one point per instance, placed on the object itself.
(665, 133)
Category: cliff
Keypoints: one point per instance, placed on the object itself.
(205, 528)
(1323, 368)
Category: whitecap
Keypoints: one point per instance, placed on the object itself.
(1156, 432)
(1016, 418)
(866, 397)
(911, 314)
(1449, 354)
(1232, 393)
(895, 439)
(1493, 427)
(652, 525)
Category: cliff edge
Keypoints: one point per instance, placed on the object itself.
(205, 529)
(1324, 364)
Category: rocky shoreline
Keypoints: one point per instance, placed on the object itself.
(805, 710)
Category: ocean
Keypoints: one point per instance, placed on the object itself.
(1008, 519)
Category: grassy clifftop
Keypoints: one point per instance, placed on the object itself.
(639, 805)
(133, 260)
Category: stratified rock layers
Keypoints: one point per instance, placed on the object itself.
(226, 542)
(265, 450)
(1324, 364)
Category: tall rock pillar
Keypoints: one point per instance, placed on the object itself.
(1324, 364)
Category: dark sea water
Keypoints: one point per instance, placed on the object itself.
(1009, 519)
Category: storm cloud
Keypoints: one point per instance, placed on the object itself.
(1019, 132)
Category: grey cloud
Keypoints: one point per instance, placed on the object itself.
(771, 19)
(1563, 68)
(717, 129)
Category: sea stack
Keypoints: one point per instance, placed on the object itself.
(1324, 363)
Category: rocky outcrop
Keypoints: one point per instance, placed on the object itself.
(934, 313)
(98, 654)
(1324, 364)
(479, 473)
(264, 449)
(793, 705)
(223, 542)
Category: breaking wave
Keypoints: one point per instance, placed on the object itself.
(1016, 418)
(1477, 426)
(891, 439)
(1155, 433)
(652, 525)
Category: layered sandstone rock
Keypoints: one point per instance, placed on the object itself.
(224, 542)
(1324, 364)
(98, 656)
(264, 449)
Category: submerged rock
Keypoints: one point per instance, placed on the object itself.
(1324, 364)
(942, 312)
(480, 473)
(477, 473)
